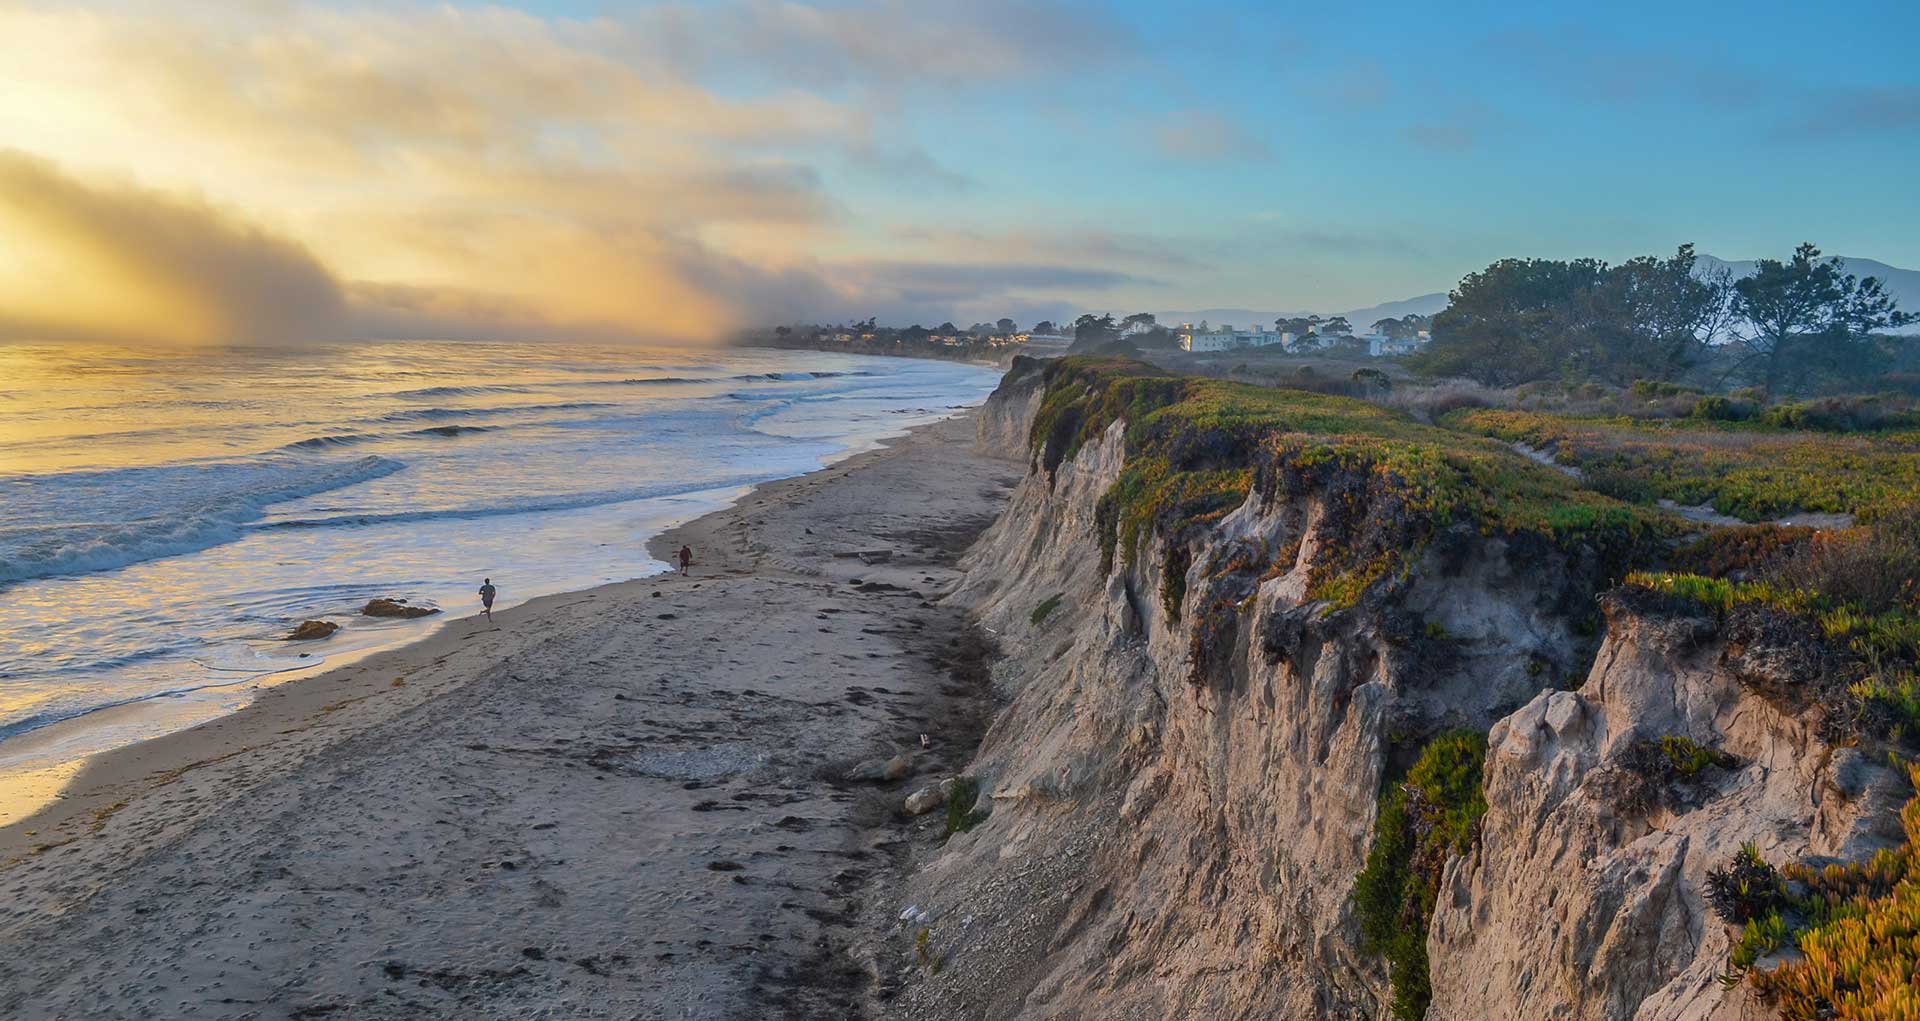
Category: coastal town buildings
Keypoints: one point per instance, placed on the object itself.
(1226, 338)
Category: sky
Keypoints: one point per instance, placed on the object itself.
(255, 171)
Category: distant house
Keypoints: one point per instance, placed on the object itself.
(1226, 338)
(1048, 340)
(1379, 346)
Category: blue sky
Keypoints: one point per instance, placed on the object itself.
(828, 159)
(1345, 153)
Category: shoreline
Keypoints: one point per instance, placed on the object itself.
(338, 770)
(139, 757)
(34, 779)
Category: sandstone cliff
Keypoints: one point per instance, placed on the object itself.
(1199, 734)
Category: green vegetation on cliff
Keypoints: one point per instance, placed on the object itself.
(1749, 470)
(1431, 815)
(1196, 448)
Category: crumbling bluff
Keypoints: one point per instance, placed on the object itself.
(1206, 714)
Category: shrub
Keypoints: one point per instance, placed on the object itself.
(1433, 814)
(1722, 409)
(1874, 568)
(1046, 607)
(1741, 553)
(1760, 937)
(962, 815)
(1859, 938)
(1648, 771)
(1745, 888)
(1372, 380)
(1841, 414)
(1685, 757)
(1173, 580)
(1652, 388)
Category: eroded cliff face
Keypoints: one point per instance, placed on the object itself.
(1584, 897)
(1184, 780)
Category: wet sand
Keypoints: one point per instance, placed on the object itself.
(624, 802)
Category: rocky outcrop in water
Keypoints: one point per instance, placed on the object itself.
(395, 608)
(311, 630)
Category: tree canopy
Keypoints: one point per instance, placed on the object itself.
(1807, 317)
(1520, 320)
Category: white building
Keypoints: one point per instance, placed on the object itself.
(1382, 347)
(1225, 338)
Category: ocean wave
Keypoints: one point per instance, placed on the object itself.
(525, 505)
(459, 391)
(168, 511)
(326, 442)
(49, 717)
(430, 414)
(746, 377)
(646, 381)
(350, 439)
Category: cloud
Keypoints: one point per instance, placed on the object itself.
(116, 262)
(889, 44)
(1874, 111)
(309, 169)
(1207, 136)
(1068, 245)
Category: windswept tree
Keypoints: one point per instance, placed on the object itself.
(1140, 319)
(1526, 319)
(1648, 318)
(1504, 324)
(1090, 331)
(1337, 326)
(1405, 328)
(1806, 317)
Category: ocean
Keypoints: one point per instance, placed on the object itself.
(166, 516)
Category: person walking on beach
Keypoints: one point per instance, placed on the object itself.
(486, 597)
(686, 558)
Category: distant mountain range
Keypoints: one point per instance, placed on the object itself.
(1361, 318)
(1902, 284)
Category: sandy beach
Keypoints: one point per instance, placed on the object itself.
(628, 802)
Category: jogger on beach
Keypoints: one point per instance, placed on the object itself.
(686, 558)
(486, 597)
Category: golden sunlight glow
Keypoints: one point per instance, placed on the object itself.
(286, 171)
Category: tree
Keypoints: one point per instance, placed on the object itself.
(1091, 331)
(1337, 326)
(1505, 324)
(1526, 319)
(1141, 318)
(1648, 318)
(1407, 328)
(1007, 326)
(1806, 316)
(1045, 327)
